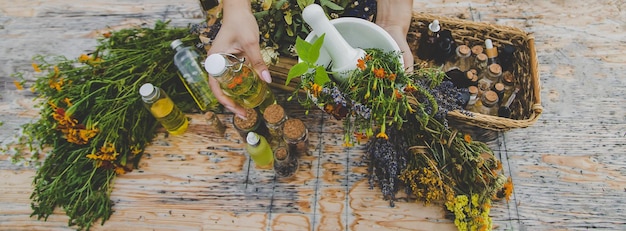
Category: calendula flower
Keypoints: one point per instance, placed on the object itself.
(361, 64)
(508, 189)
(119, 170)
(83, 58)
(379, 73)
(397, 94)
(383, 135)
(360, 136)
(36, 67)
(68, 102)
(18, 85)
(106, 34)
(392, 76)
(467, 138)
(316, 89)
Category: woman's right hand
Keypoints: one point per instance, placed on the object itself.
(238, 35)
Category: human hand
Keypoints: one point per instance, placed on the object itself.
(395, 17)
(239, 35)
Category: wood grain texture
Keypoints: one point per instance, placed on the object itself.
(568, 169)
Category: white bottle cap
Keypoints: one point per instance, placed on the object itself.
(434, 26)
(215, 64)
(147, 91)
(176, 43)
(252, 138)
(488, 44)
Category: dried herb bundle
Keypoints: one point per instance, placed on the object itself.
(93, 125)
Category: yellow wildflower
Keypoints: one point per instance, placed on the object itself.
(83, 58)
(120, 170)
(68, 102)
(382, 135)
(467, 138)
(36, 67)
(18, 85)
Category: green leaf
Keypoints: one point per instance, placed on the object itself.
(302, 48)
(304, 3)
(314, 52)
(297, 70)
(331, 5)
(321, 76)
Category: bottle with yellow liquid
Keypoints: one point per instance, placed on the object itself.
(193, 76)
(259, 150)
(239, 81)
(163, 109)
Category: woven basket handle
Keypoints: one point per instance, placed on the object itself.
(534, 72)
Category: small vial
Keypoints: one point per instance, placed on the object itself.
(296, 136)
(490, 77)
(473, 91)
(252, 123)
(285, 164)
(491, 52)
(480, 63)
(489, 100)
(275, 118)
(163, 109)
(215, 124)
(462, 59)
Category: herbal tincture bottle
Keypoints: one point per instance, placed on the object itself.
(498, 88)
(463, 56)
(215, 124)
(489, 100)
(285, 164)
(163, 109)
(296, 136)
(239, 81)
(193, 76)
(509, 83)
(428, 41)
(259, 150)
(491, 52)
(275, 118)
(252, 123)
(480, 63)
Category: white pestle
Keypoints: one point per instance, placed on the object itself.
(344, 57)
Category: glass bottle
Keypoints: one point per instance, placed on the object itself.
(498, 88)
(490, 77)
(259, 150)
(509, 83)
(472, 77)
(505, 110)
(428, 41)
(215, 124)
(252, 123)
(275, 118)
(480, 63)
(491, 52)
(285, 164)
(239, 81)
(296, 136)
(463, 56)
(488, 106)
(446, 47)
(477, 49)
(193, 76)
(163, 109)
(473, 91)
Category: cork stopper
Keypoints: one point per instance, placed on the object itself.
(481, 57)
(498, 87)
(294, 128)
(477, 49)
(495, 69)
(471, 74)
(248, 122)
(274, 113)
(491, 96)
(508, 77)
(464, 50)
(473, 90)
(281, 153)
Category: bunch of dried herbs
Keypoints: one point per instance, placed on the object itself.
(92, 123)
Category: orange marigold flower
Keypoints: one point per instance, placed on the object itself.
(409, 88)
(68, 102)
(360, 136)
(392, 76)
(36, 67)
(18, 85)
(368, 57)
(467, 138)
(508, 189)
(361, 64)
(379, 73)
(397, 94)
(106, 34)
(317, 89)
(83, 58)
(120, 170)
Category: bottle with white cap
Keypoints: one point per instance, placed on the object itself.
(429, 41)
(259, 150)
(491, 52)
(194, 78)
(239, 81)
(163, 109)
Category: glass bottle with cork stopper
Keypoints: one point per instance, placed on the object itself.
(285, 163)
(163, 109)
(275, 118)
(296, 136)
(461, 59)
(473, 91)
(508, 79)
(215, 124)
(480, 63)
(239, 81)
(489, 100)
(252, 123)
(490, 77)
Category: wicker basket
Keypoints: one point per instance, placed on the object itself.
(526, 107)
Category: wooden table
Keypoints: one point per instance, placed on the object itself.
(568, 169)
